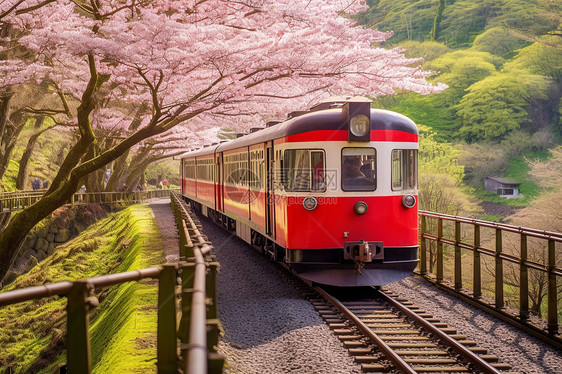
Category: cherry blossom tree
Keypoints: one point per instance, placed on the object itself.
(146, 67)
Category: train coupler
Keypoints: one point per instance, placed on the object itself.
(363, 251)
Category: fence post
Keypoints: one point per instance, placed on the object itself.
(477, 272)
(439, 250)
(78, 326)
(458, 264)
(552, 296)
(423, 249)
(167, 355)
(499, 270)
(187, 279)
(524, 281)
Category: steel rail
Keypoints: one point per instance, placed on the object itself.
(400, 364)
(454, 344)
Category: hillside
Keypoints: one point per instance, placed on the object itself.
(502, 61)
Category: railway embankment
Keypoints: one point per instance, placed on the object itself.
(61, 226)
(123, 325)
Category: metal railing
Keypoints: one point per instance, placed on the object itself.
(199, 327)
(498, 265)
(18, 200)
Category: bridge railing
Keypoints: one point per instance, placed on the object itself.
(18, 200)
(199, 328)
(502, 266)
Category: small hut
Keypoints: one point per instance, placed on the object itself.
(504, 187)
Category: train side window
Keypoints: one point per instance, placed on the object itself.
(404, 169)
(359, 169)
(304, 170)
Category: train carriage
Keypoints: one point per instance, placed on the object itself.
(331, 192)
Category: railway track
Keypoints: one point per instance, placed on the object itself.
(387, 335)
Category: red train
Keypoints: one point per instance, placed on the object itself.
(332, 191)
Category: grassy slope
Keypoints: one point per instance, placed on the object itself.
(122, 327)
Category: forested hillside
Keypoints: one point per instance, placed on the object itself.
(502, 61)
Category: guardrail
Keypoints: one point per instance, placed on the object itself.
(497, 266)
(199, 327)
(18, 200)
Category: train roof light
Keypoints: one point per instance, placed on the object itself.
(359, 125)
(358, 115)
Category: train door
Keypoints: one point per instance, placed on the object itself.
(269, 192)
(219, 190)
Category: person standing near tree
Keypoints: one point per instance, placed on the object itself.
(35, 184)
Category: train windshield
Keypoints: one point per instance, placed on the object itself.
(404, 169)
(305, 170)
(358, 169)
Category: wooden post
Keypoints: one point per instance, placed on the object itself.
(167, 354)
(523, 281)
(439, 250)
(552, 292)
(499, 270)
(458, 264)
(187, 279)
(477, 272)
(211, 285)
(78, 326)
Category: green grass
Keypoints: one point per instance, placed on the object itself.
(492, 218)
(122, 327)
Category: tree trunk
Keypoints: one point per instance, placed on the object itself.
(12, 132)
(119, 166)
(437, 21)
(22, 172)
(13, 236)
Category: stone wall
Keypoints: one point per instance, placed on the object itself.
(61, 226)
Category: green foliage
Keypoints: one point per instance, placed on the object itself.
(440, 176)
(165, 169)
(428, 50)
(498, 104)
(427, 109)
(543, 57)
(460, 69)
(528, 17)
(458, 22)
(497, 41)
(122, 326)
(438, 157)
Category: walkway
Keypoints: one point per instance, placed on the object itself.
(162, 211)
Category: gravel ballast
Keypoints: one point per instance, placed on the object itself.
(525, 353)
(268, 327)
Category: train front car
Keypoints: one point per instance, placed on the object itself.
(346, 207)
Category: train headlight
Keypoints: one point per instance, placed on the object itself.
(408, 201)
(309, 203)
(359, 125)
(360, 207)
